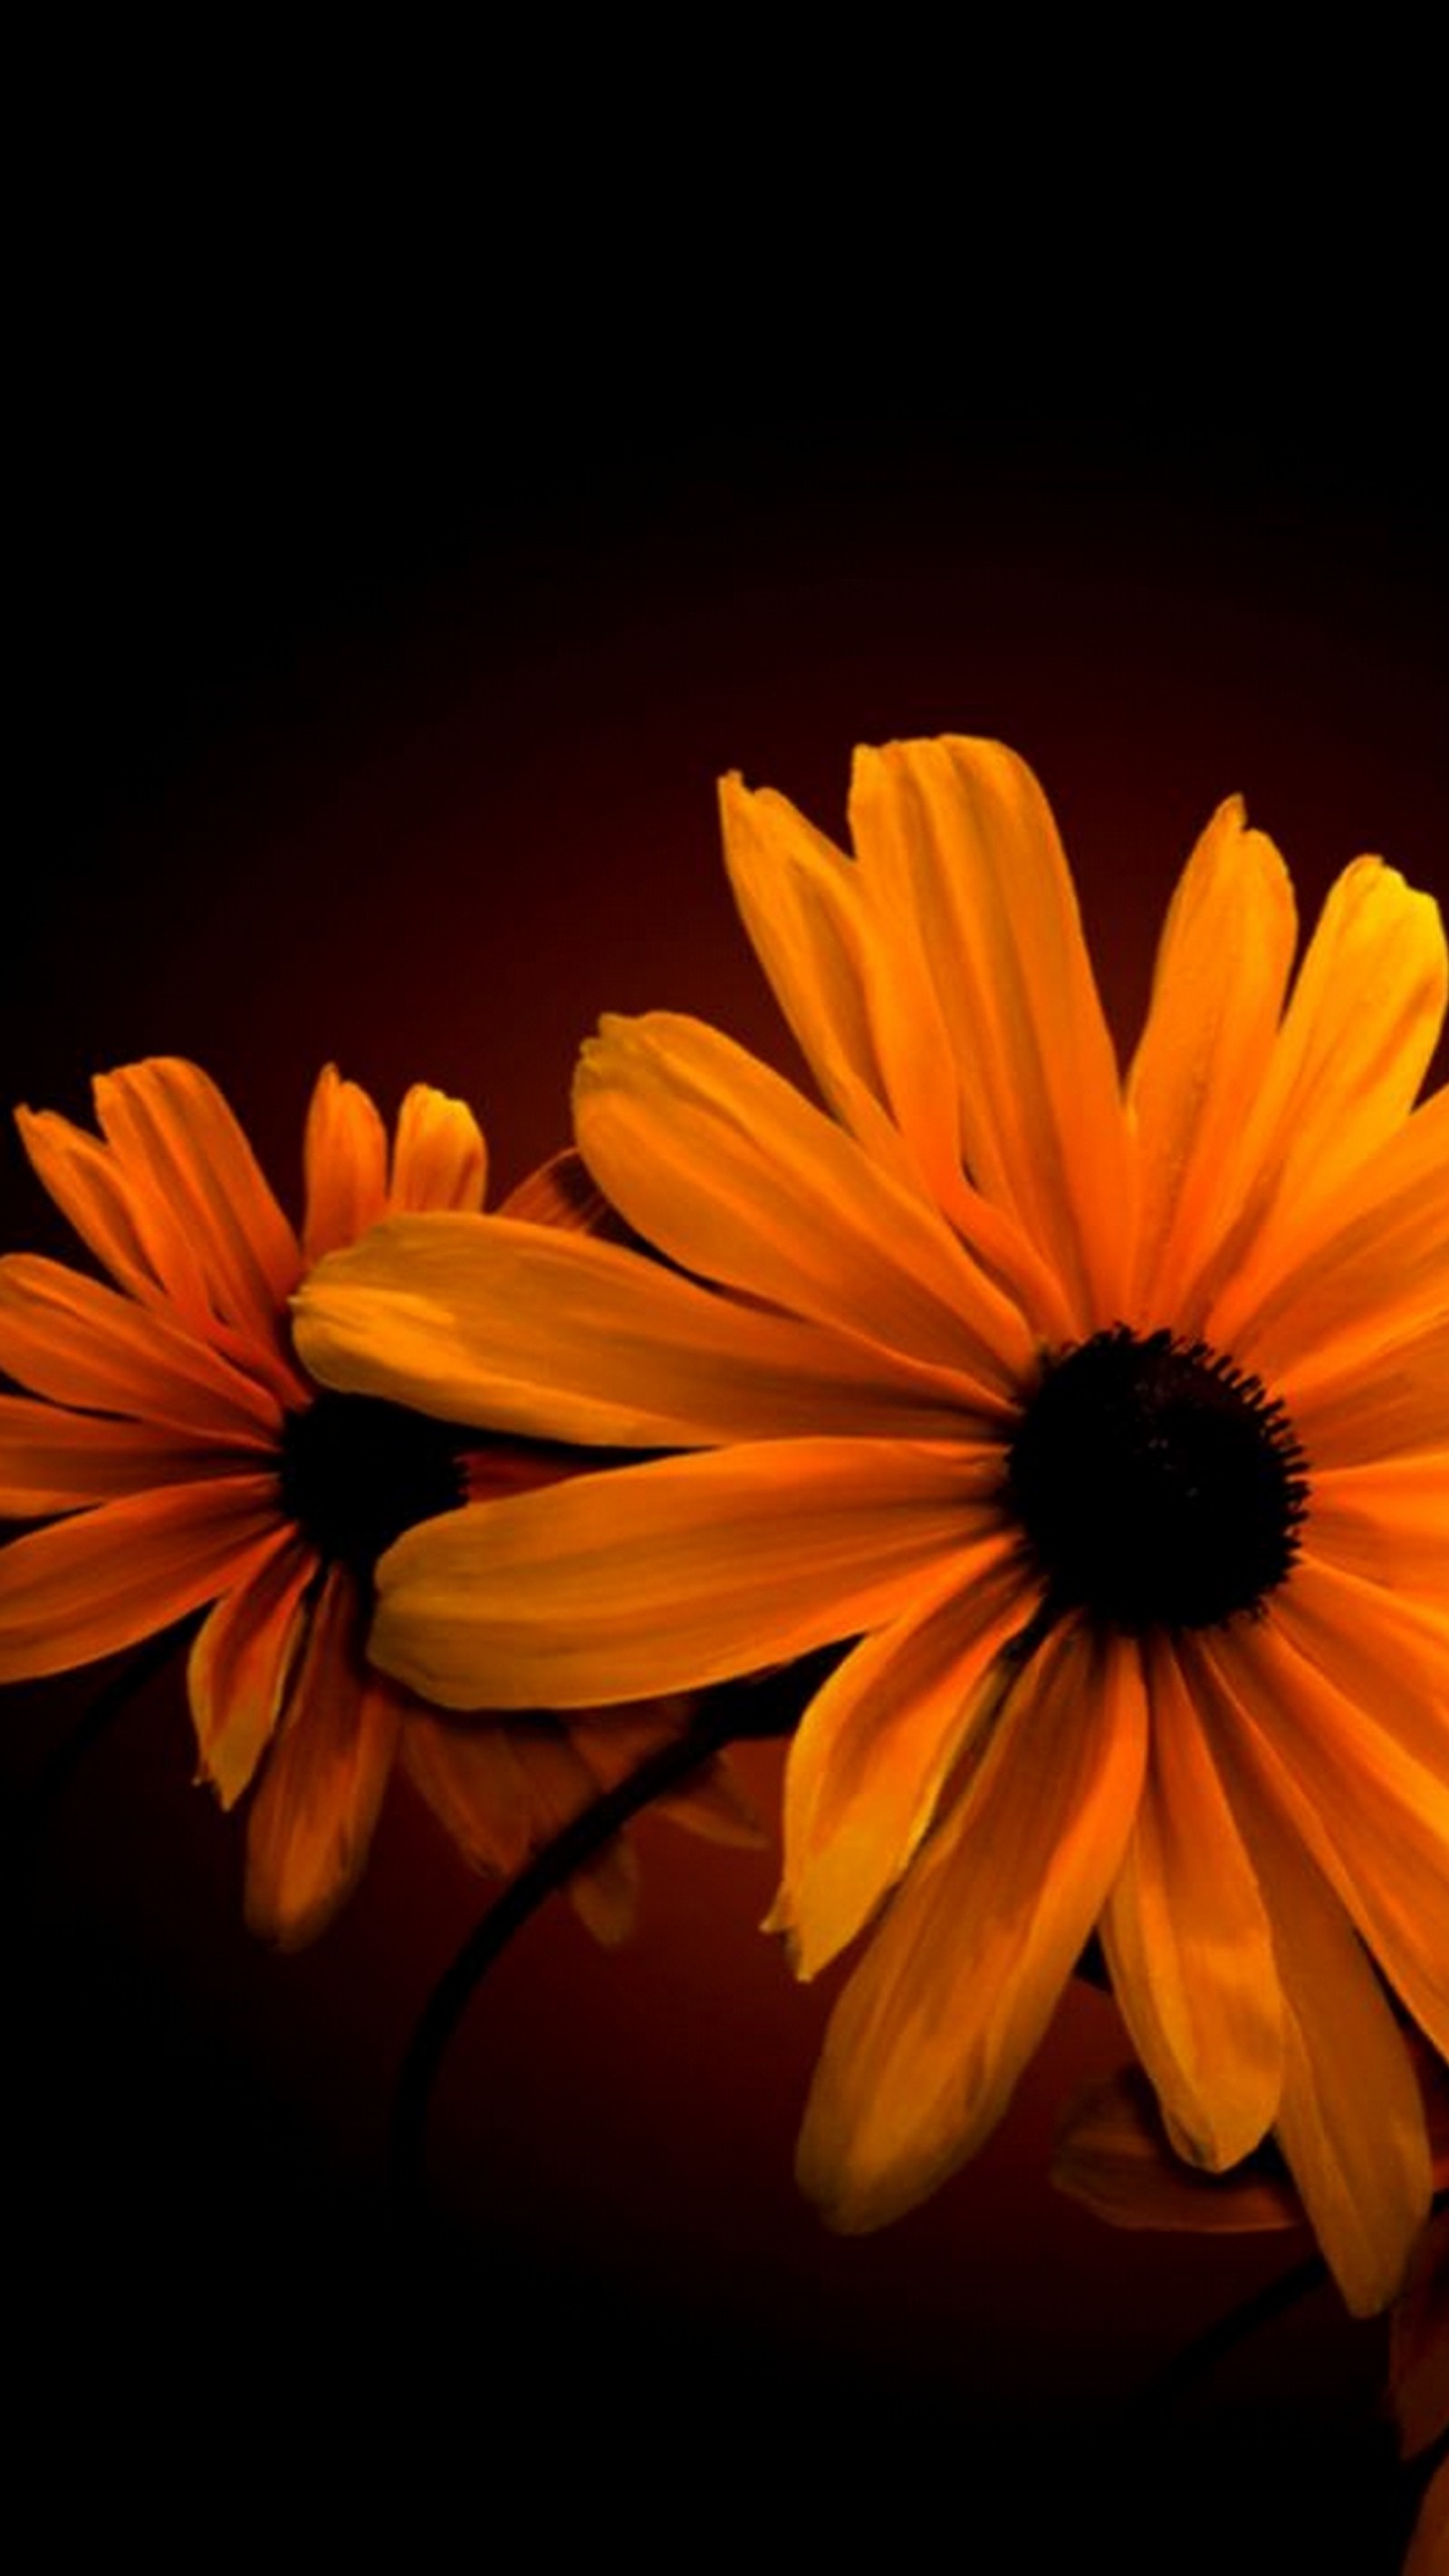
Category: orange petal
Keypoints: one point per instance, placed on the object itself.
(561, 1193)
(345, 1160)
(439, 1159)
(667, 1576)
(311, 1822)
(242, 1659)
(66, 1337)
(1344, 1709)
(958, 1985)
(1113, 2153)
(54, 1461)
(1350, 2122)
(473, 1779)
(1222, 971)
(1388, 1523)
(730, 1172)
(1188, 1944)
(1429, 2546)
(1382, 1404)
(710, 1802)
(106, 1578)
(963, 843)
(878, 1742)
(217, 1239)
(524, 1329)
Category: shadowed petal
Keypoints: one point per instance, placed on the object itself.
(1113, 2153)
(667, 1576)
(54, 1461)
(958, 1985)
(242, 1659)
(311, 1821)
(71, 1339)
(104, 1579)
(878, 1742)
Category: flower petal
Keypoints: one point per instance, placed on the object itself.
(1188, 1944)
(1113, 2153)
(439, 1159)
(964, 845)
(525, 1329)
(71, 1339)
(1383, 1404)
(561, 1193)
(1429, 2545)
(1419, 2345)
(1342, 1694)
(344, 1155)
(104, 1579)
(473, 1779)
(667, 1576)
(1350, 2121)
(242, 1659)
(312, 1819)
(878, 1742)
(1222, 971)
(726, 1168)
(958, 1985)
(1388, 1523)
(54, 1461)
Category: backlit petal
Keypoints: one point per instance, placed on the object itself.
(311, 1822)
(69, 1338)
(1222, 971)
(439, 1159)
(104, 1579)
(959, 1983)
(1188, 1945)
(964, 844)
(667, 1576)
(345, 1161)
(526, 1329)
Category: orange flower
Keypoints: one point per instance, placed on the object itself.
(1109, 1422)
(195, 1461)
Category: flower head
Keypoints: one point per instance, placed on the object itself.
(193, 1461)
(1105, 1422)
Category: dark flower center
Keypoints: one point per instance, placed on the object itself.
(356, 1473)
(1158, 1485)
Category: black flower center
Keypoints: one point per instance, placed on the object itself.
(1158, 1485)
(356, 1473)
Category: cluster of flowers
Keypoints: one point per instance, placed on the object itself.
(1098, 1428)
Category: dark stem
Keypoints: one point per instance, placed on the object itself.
(1206, 2350)
(769, 1705)
(38, 1803)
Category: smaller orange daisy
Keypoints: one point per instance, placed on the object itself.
(189, 1459)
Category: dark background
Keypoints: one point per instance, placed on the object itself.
(396, 574)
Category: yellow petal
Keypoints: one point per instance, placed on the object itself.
(242, 1659)
(964, 844)
(1188, 1945)
(439, 1159)
(730, 1172)
(71, 1339)
(104, 1579)
(526, 1329)
(1222, 971)
(345, 1161)
(667, 1576)
(878, 1742)
(311, 1821)
(54, 1461)
(958, 1985)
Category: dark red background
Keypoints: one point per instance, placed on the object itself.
(384, 635)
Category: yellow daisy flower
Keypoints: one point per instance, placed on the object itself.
(194, 1461)
(1109, 1421)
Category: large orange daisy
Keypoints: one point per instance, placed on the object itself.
(194, 1461)
(1108, 1421)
